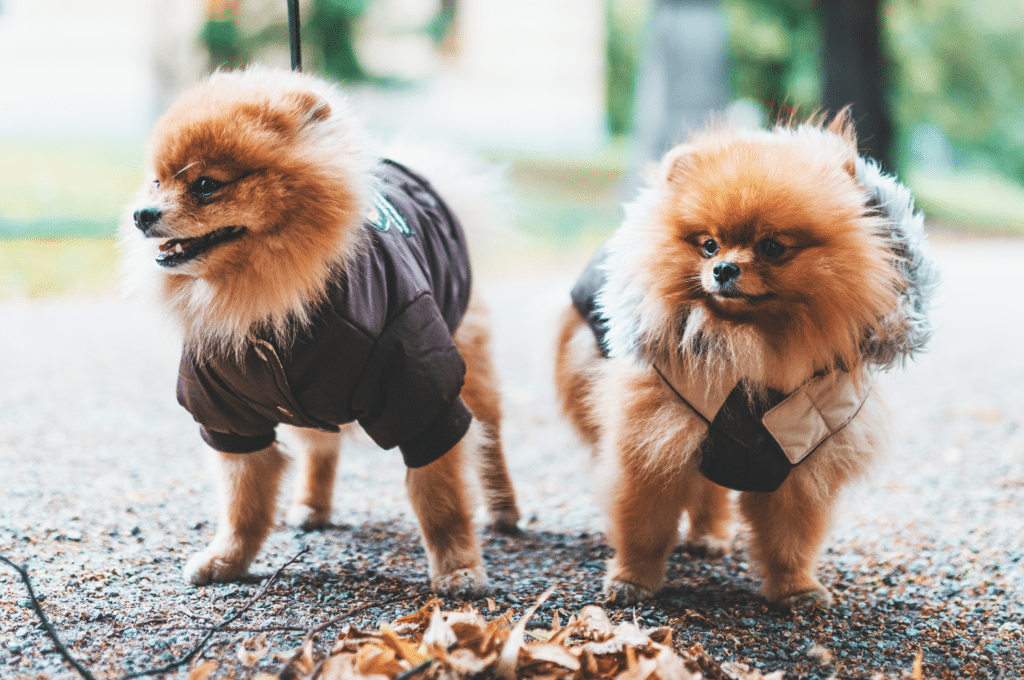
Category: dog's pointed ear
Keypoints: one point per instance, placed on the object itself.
(842, 126)
(311, 107)
(676, 162)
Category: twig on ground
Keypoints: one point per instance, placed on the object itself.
(288, 669)
(206, 638)
(23, 573)
(355, 610)
(230, 629)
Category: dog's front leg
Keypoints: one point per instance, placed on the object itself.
(645, 507)
(787, 530)
(248, 485)
(442, 501)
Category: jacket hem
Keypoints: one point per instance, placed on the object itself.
(441, 436)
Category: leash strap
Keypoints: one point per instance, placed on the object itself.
(293, 34)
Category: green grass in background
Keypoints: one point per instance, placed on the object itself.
(983, 203)
(54, 187)
(60, 202)
(57, 266)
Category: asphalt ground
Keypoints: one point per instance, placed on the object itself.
(105, 492)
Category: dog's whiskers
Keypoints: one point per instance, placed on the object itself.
(185, 168)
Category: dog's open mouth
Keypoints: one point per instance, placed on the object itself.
(736, 295)
(176, 251)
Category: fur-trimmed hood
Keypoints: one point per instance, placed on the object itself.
(620, 313)
(910, 323)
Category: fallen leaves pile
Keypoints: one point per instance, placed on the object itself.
(434, 644)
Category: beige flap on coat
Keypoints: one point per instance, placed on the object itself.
(816, 411)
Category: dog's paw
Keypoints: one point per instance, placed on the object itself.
(706, 546)
(625, 593)
(464, 583)
(308, 518)
(505, 523)
(819, 598)
(205, 568)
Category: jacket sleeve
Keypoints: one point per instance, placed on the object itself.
(408, 394)
(227, 423)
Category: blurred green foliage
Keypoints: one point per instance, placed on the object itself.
(775, 48)
(955, 64)
(331, 27)
(625, 20)
(959, 64)
(328, 25)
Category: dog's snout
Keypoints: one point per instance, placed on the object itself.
(724, 272)
(145, 218)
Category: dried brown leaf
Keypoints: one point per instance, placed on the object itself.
(404, 649)
(251, 650)
(203, 670)
(508, 660)
(820, 654)
(916, 672)
(637, 668)
(671, 667)
(439, 633)
(696, 659)
(594, 623)
(554, 654)
(624, 636)
(663, 635)
(741, 671)
(374, 660)
(464, 663)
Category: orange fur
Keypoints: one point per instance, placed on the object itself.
(294, 172)
(786, 316)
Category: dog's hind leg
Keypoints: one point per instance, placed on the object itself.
(314, 480)
(483, 397)
(248, 499)
(442, 500)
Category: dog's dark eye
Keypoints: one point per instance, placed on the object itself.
(772, 249)
(204, 187)
(710, 247)
(156, 184)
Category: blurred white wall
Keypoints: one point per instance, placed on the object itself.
(521, 75)
(93, 68)
(518, 75)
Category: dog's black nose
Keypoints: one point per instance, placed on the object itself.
(146, 218)
(724, 272)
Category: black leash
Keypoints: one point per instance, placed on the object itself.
(293, 34)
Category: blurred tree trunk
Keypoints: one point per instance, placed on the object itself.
(854, 72)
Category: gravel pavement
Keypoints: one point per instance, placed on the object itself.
(104, 493)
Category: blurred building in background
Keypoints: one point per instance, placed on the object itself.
(523, 75)
(509, 74)
(102, 68)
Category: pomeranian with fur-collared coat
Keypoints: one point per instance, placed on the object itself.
(726, 337)
(318, 285)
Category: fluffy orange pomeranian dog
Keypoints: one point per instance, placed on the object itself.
(318, 286)
(726, 337)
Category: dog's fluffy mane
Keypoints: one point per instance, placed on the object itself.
(302, 128)
(645, 330)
